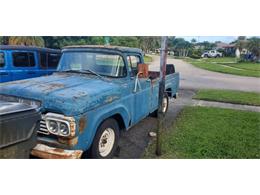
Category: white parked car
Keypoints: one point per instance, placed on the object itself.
(212, 54)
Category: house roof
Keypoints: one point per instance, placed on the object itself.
(225, 45)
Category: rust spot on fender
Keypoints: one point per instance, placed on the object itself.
(58, 150)
(111, 99)
(82, 124)
(52, 86)
(68, 141)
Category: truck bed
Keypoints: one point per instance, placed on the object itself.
(171, 80)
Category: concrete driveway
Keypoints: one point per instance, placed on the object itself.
(196, 78)
(133, 142)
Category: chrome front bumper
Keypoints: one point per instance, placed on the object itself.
(47, 152)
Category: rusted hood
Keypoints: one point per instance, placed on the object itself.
(66, 93)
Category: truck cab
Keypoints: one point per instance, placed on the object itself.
(96, 92)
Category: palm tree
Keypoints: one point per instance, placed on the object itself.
(26, 40)
(254, 46)
(241, 43)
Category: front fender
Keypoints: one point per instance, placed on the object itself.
(95, 117)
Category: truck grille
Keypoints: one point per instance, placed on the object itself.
(43, 128)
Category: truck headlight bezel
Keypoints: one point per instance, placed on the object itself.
(68, 123)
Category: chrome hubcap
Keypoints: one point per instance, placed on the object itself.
(106, 142)
(164, 105)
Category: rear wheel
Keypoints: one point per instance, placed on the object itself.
(106, 140)
(165, 105)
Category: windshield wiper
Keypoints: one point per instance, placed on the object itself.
(85, 71)
(91, 71)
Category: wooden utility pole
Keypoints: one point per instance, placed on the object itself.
(163, 59)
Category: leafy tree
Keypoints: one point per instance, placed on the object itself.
(193, 41)
(26, 40)
(4, 40)
(207, 45)
(125, 41)
(61, 41)
(241, 38)
(182, 47)
(149, 43)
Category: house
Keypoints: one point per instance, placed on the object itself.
(228, 49)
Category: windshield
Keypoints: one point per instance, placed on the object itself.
(99, 63)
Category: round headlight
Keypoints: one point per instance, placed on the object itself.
(53, 127)
(64, 129)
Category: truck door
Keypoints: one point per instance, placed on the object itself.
(5, 74)
(140, 91)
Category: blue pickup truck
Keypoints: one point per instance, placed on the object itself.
(22, 62)
(96, 92)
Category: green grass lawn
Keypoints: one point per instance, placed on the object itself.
(220, 60)
(206, 133)
(148, 59)
(247, 66)
(230, 66)
(236, 97)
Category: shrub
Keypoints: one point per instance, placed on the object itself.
(195, 53)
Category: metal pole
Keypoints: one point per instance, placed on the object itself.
(163, 59)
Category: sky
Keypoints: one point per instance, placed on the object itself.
(225, 39)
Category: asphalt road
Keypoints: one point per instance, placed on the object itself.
(133, 142)
(196, 78)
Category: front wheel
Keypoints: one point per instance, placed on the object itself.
(106, 140)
